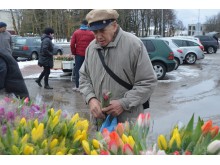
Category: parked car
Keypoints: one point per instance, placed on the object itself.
(29, 47)
(160, 55)
(210, 44)
(192, 49)
(178, 52)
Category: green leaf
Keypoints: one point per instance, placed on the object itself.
(189, 127)
(198, 131)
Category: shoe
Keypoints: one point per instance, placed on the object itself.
(75, 89)
(48, 87)
(38, 82)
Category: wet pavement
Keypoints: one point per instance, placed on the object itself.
(175, 99)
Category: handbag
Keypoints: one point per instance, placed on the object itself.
(117, 79)
(110, 123)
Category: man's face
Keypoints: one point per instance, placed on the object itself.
(105, 36)
(2, 29)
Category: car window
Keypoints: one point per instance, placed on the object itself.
(20, 41)
(149, 45)
(180, 43)
(37, 41)
(191, 43)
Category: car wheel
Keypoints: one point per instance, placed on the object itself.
(34, 56)
(210, 50)
(59, 52)
(160, 70)
(190, 58)
(177, 63)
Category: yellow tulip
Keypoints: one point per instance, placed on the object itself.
(59, 153)
(35, 123)
(53, 143)
(37, 133)
(58, 113)
(162, 143)
(15, 150)
(55, 121)
(131, 141)
(124, 138)
(23, 121)
(44, 144)
(175, 138)
(77, 138)
(77, 133)
(84, 135)
(51, 112)
(95, 144)
(28, 150)
(93, 152)
(82, 125)
(24, 139)
(74, 118)
(15, 136)
(86, 147)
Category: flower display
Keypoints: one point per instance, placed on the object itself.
(189, 140)
(64, 57)
(28, 129)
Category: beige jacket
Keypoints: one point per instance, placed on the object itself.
(127, 57)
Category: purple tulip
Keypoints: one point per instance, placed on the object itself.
(10, 116)
(2, 111)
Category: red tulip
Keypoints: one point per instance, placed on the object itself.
(214, 131)
(176, 153)
(206, 127)
(128, 150)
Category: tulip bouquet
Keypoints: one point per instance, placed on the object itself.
(27, 129)
(189, 140)
(126, 139)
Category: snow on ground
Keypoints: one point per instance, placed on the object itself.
(174, 76)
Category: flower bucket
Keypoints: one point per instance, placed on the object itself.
(67, 64)
(57, 64)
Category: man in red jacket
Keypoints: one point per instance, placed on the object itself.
(79, 42)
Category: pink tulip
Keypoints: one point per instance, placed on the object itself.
(140, 119)
(147, 120)
(112, 146)
(120, 129)
(103, 152)
(26, 100)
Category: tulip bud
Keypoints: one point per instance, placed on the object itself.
(162, 142)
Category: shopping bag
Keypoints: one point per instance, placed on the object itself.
(110, 123)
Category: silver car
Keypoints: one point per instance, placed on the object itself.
(192, 49)
(178, 52)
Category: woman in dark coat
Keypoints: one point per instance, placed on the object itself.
(46, 57)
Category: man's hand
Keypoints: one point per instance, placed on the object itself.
(114, 108)
(95, 108)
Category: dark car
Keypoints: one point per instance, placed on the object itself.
(161, 56)
(29, 47)
(210, 44)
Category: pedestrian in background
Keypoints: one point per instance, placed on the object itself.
(5, 39)
(11, 81)
(79, 42)
(126, 56)
(46, 57)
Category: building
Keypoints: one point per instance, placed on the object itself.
(5, 16)
(196, 29)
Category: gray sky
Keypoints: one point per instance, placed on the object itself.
(191, 16)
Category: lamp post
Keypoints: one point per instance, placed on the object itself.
(162, 23)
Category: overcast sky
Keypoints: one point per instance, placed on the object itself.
(191, 16)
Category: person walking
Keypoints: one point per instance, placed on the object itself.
(79, 42)
(5, 39)
(11, 81)
(46, 57)
(126, 56)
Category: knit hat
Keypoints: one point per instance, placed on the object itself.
(2, 24)
(48, 31)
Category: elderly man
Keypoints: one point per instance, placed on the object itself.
(5, 39)
(127, 57)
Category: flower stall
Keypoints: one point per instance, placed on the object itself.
(63, 61)
(27, 128)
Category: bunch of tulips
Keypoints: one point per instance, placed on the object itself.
(201, 140)
(28, 129)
